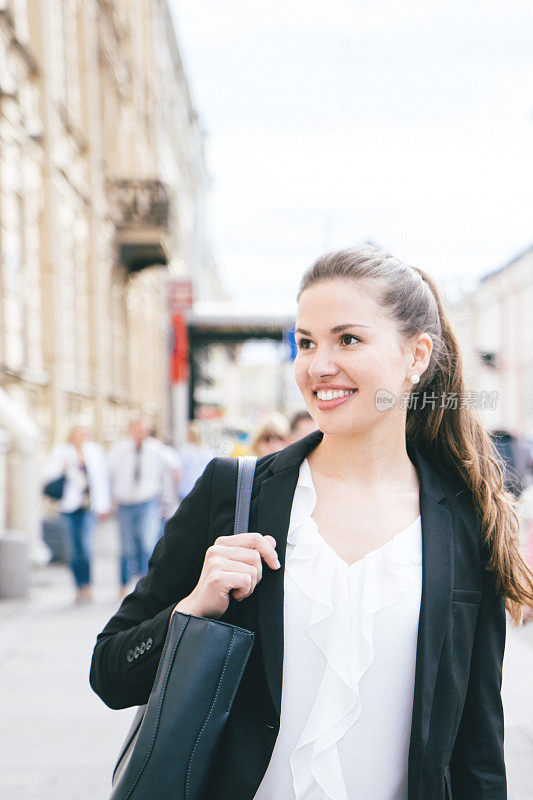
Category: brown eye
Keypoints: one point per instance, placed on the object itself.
(349, 338)
(304, 344)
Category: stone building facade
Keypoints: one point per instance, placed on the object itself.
(494, 327)
(102, 188)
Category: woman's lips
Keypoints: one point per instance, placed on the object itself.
(325, 405)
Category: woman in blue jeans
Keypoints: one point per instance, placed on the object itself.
(86, 495)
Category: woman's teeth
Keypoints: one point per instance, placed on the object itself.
(334, 394)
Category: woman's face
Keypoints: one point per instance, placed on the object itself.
(349, 351)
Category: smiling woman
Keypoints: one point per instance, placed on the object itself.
(382, 553)
(402, 338)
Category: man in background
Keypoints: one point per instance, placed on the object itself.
(139, 466)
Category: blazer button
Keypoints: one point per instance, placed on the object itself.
(136, 652)
(142, 648)
(130, 656)
(149, 643)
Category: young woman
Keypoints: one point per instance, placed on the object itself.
(384, 552)
(86, 496)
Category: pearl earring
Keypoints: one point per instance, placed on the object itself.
(415, 378)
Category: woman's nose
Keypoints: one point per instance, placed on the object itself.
(322, 364)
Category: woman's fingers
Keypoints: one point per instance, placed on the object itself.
(264, 545)
(271, 540)
(240, 582)
(227, 566)
(231, 564)
(237, 554)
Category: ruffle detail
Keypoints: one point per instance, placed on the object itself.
(376, 581)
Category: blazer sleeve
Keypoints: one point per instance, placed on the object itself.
(128, 650)
(477, 766)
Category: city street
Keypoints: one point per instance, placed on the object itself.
(222, 231)
(58, 740)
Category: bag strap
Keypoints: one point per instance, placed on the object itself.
(245, 481)
(228, 474)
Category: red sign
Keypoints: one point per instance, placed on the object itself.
(179, 355)
(180, 295)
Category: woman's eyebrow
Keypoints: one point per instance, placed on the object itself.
(340, 328)
(337, 328)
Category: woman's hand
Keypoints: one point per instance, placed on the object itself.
(231, 563)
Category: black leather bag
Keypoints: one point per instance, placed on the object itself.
(172, 742)
(54, 489)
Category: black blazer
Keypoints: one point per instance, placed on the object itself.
(456, 745)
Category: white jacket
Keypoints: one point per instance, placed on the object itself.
(64, 455)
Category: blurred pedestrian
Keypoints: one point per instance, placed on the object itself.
(301, 424)
(271, 435)
(527, 516)
(240, 443)
(139, 466)
(171, 480)
(86, 495)
(194, 457)
(513, 462)
(526, 509)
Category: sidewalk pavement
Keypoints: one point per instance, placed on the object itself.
(58, 741)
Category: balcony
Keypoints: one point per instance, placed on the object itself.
(140, 212)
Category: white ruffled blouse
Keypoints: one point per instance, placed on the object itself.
(350, 636)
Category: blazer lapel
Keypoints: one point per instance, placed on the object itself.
(437, 587)
(273, 515)
(273, 518)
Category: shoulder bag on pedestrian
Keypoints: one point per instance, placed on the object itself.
(54, 489)
(170, 747)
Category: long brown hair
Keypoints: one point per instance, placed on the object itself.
(450, 432)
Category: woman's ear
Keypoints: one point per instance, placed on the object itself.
(421, 353)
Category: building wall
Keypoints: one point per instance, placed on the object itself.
(91, 92)
(495, 320)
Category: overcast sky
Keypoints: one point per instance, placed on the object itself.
(331, 122)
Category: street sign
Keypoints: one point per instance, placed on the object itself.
(179, 349)
(180, 295)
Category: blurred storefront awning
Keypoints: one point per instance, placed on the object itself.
(230, 323)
